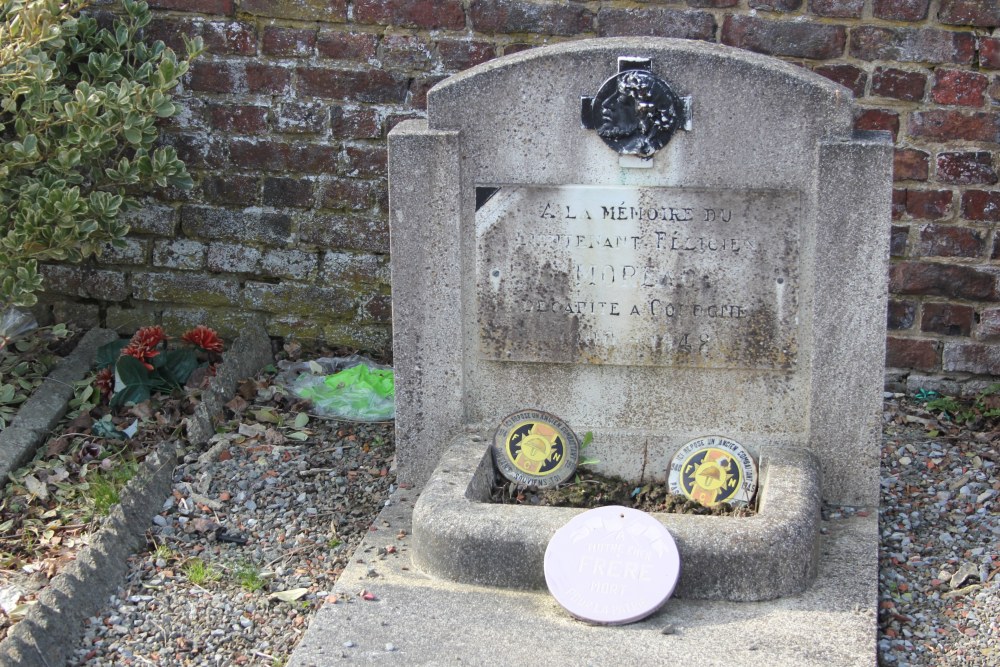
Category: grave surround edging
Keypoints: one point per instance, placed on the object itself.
(51, 628)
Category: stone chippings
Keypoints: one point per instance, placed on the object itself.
(939, 570)
(292, 502)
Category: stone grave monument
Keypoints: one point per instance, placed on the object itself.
(657, 241)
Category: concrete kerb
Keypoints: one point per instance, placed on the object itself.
(52, 627)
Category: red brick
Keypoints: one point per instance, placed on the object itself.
(912, 353)
(248, 225)
(365, 160)
(842, 9)
(221, 38)
(196, 151)
(432, 14)
(947, 319)
(981, 205)
(328, 11)
(357, 46)
(899, 84)
(776, 5)
(422, 85)
(459, 54)
(951, 241)
(959, 87)
(910, 164)
(901, 10)
(955, 281)
(901, 314)
(508, 49)
(898, 204)
(234, 189)
(355, 123)
(350, 194)
(877, 119)
(268, 79)
(373, 86)
(288, 42)
(200, 6)
(980, 13)
(988, 327)
(270, 155)
(713, 4)
(966, 168)
(912, 45)
(848, 76)
(898, 238)
(656, 22)
(928, 204)
(302, 118)
(287, 191)
(948, 125)
(784, 38)
(989, 52)
(238, 118)
(996, 247)
(405, 52)
(971, 358)
(239, 77)
(521, 16)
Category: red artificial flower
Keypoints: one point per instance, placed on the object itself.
(141, 353)
(203, 337)
(148, 337)
(106, 381)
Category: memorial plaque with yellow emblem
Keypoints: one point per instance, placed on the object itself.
(712, 470)
(535, 448)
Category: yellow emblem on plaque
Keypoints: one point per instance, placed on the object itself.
(713, 470)
(535, 448)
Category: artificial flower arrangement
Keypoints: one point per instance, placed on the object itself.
(130, 371)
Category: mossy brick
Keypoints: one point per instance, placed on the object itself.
(152, 219)
(185, 288)
(346, 45)
(352, 194)
(784, 38)
(298, 298)
(328, 11)
(406, 52)
(288, 191)
(376, 309)
(198, 150)
(356, 267)
(302, 118)
(355, 232)
(293, 264)
(227, 322)
(227, 37)
(512, 16)
(929, 45)
(126, 320)
(232, 189)
(288, 42)
(238, 118)
(841, 9)
(233, 258)
(849, 76)
(84, 282)
(82, 314)
(372, 338)
(200, 6)
(183, 254)
(254, 225)
(431, 14)
(297, 327)
(275, 155)
(135, 252)
(657, 22)
(371, 86)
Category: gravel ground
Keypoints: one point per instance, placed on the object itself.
(304, 506)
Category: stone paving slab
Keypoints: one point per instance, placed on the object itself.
(433, 622)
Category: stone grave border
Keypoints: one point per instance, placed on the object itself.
(49, 631)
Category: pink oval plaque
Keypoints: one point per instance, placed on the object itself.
(612, 565)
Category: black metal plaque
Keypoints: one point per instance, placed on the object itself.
(635, 112)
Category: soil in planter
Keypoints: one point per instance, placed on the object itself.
(590, 489)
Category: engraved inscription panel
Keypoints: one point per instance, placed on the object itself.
(639, 276)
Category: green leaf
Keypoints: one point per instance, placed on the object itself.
(108, 353)
(176, 366)
(301, 419)
(136, 380)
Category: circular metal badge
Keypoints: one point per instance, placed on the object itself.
(534, 448)
(712, 470)
(612, 565)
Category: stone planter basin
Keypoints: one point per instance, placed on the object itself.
(459, 535)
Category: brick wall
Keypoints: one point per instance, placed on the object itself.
(286, 118)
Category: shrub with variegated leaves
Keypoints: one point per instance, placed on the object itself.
(78, 112)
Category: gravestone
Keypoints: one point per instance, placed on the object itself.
(715, 267)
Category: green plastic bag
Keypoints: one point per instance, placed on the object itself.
(359, 393)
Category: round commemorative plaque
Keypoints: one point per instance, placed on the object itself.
(534, 448)
(612, 565)
(712, 470)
